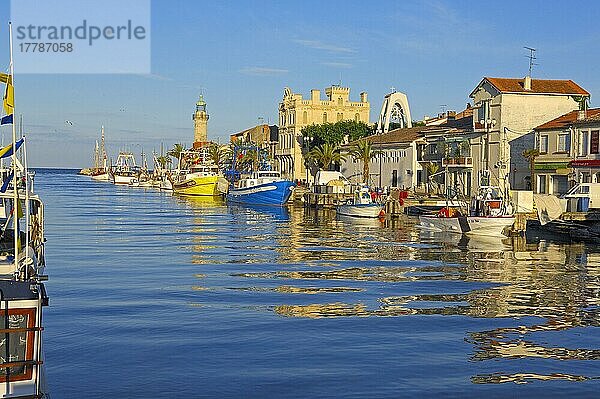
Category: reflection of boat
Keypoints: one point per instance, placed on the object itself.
(125, 171)
(361, 205)
(278, 213)
(197, 175)
(265, 187)
(488, 216)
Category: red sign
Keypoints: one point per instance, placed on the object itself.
(585, 162)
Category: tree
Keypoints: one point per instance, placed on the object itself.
(334, 133)
(531, 155)
(248, 161)
(432, 168)
(218, 154)
(163, 161)
(324, 155)
(363, 151)
(176, 151)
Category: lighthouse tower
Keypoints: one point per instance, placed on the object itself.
(200, 118)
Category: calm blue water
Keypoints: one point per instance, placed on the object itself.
(154, 296)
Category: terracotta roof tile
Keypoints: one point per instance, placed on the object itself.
(569, 118)
(506, 85)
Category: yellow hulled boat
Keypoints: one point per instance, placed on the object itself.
(197, 175)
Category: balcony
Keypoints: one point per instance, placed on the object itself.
(458, 162)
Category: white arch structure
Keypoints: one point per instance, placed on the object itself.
(394, 109)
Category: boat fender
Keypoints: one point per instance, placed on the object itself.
(401, 201)
(349, 202)
(381, 213)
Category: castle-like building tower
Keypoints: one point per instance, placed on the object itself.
(200, 118)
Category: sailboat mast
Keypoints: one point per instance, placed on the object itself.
(14, 155)
(103, 151)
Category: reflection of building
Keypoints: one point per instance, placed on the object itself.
(296, 113)
(507, 110)
(200, 118)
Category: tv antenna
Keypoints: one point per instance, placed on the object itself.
(531, 57)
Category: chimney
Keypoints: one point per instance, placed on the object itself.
(315, 95)
(527, 83)
(363, 97)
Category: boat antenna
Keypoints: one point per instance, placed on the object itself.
(14, 154)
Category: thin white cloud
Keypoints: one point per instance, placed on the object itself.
(261, 71)
(337, 64)
(318, 45)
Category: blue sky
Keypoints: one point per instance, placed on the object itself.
(242, 55)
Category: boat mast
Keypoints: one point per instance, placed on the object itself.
(14, 155)
(103, 151)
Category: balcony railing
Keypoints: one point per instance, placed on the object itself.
(460, 162)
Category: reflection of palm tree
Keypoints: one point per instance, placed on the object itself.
(324, 155)
(531, 155)
(363, 151)
(176, 151)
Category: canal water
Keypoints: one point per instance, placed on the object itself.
(155, 296)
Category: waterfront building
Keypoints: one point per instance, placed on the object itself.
(396, 164)
(506, 111)
(264, 136)
(296, 113)
(569, 152)
(200, 118)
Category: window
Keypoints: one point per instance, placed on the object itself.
(340, 116)
(305, 117)
(583, 143)
(356, 117)
(594, 142)
(324, 117)
(544, 144)
(394, 178)
(564, 143)
(340, 101)
(541, 187)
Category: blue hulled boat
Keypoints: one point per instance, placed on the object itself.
(261, 188)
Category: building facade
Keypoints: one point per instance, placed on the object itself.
(296, 113)
(569, 152)
(264, 136)
(506, 111)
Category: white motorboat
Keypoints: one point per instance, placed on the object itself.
(361, 206)
(22, 264)
(488, 216)
(125, 171)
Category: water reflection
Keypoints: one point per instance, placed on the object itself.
(313, 264)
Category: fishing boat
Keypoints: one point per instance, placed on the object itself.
(125, 171)
(361, 206)
(488, 215)
(265, 187)
(197, 175)
(22, 264)
(100, 170)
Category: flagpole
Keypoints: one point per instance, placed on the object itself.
(14, 155)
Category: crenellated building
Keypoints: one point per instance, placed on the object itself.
(296, 112)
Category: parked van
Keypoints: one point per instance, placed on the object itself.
(583, 197)
(323, 177)
(331, 182)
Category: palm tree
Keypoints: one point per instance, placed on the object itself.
(432, 168)
(531, 155)
(249, 160)
(163, 161)
(324, 155)
(363, 151)
(218, 154)
(176, 151)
